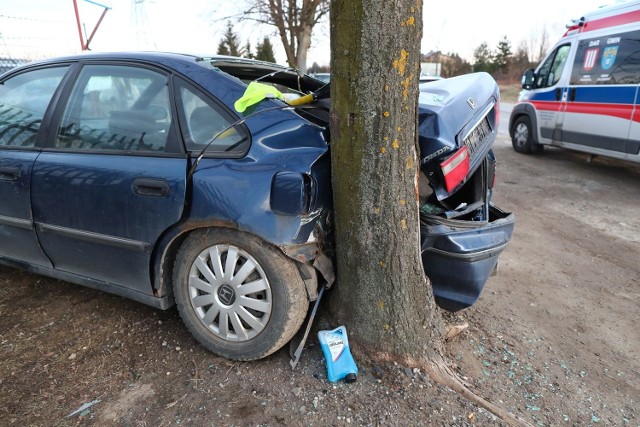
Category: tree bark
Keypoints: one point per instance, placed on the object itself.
(382, 294)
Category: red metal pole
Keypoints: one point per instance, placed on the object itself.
(104, 12)
(75, 7)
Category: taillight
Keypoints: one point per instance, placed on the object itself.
(455, 168)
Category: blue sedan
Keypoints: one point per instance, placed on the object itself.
(134, 173)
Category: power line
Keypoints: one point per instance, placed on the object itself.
(22, 18)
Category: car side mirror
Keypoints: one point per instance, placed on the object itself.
(528, 78)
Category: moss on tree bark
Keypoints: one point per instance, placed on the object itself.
(382, 293)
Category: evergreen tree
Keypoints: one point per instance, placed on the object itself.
(264, 51)
(484, 58)
(222, 48)
(230, 44)
(247, 51)
(502, 56)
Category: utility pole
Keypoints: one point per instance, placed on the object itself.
(85, 44)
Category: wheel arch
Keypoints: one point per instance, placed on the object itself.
(309, 259)
(166, 249)
(525, 109)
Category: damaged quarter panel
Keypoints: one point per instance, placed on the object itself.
(242, 191)
(281, 190)
(277, 191)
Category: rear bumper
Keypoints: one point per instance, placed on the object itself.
(459, 256)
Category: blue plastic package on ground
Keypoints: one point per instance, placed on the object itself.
(335, 347)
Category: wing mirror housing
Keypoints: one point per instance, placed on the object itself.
(528, 78)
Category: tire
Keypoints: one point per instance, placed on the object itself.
(522, 137)
(244, 315)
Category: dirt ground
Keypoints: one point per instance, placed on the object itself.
(554, 337)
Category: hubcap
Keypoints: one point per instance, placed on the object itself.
(230, 293)
(521, 134)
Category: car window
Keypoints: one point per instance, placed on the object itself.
(208, 123)
(550, 72)
(23, 101)
(116, 108)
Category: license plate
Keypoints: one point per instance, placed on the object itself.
(478, 137)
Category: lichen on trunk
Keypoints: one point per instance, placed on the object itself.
(382, 293)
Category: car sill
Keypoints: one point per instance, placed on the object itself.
(158, 302)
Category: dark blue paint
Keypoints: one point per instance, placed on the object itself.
(459, 261)
(445, 116)
(98, 229)
(89, 192)
(605, 94)
(547, 95)
(20, 241)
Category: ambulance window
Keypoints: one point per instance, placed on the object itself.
(623, 58)
(608, 60)
(551, 70)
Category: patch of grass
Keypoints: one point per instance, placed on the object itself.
(509, 93)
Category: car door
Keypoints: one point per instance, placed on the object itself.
(549, 96)
(112, 177)
(24, 101)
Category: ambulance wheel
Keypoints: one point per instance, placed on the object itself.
(522, 137)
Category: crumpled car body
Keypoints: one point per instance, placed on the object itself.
(462, 232)
(132, 173)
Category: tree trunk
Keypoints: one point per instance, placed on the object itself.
(304, 44)
(382, 294)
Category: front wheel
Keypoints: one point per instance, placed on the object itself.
(522, 137)
(239, 297)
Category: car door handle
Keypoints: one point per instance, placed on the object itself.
(572, 94)
(9, 173)
(150, 187)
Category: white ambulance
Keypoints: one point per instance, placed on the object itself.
(584, 95)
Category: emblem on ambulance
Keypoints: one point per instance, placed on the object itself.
(609, 57)
(590, 57)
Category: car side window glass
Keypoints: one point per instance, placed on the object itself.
(208, 124)
(551, 70)
(611, 59)
(116, 108)
(23, 101)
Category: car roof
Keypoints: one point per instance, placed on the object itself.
(159, 57)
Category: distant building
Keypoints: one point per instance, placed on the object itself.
(430, 68)
(443, 65)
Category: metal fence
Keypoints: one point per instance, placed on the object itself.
(8, 63)
(27, 39)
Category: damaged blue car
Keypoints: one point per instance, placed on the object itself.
(135, 174)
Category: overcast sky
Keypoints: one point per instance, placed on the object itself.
(198, 25)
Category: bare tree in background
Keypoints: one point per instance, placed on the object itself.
(538, 44)
(294, 21)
